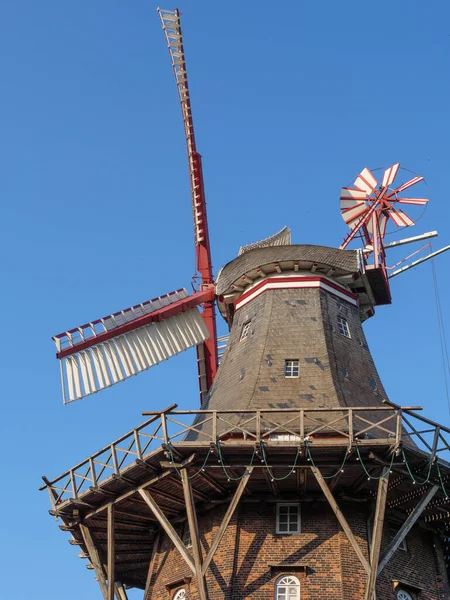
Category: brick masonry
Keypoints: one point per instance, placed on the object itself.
(243, 567)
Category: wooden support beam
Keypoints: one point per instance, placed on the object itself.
(377, 535)
(121, 594)
(363, 481)
(212, 482)
(406, 527)
(165, 524)
(130, 493)
(230, 511)
(94, 558)
(111, 561)
(193, 531)
(272, 484)
(151, 567)
(340, 517)
(197, 493)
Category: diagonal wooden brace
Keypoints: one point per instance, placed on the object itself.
(340, 517)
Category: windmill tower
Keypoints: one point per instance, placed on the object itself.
(296, 478)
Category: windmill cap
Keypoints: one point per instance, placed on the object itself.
(347, 267)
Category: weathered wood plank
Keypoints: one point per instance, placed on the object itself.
(165, 524)
(377, 535)
(226, 519)
(406, 527)
(94, 558)
(340, 517)
(151, 567)
(193, 530)
(111, 562)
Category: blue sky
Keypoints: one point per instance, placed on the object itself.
(290, 101)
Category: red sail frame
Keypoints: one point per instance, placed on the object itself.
(207, 356)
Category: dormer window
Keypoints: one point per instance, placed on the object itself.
(291, 368)
(343, 327)
(245, 330)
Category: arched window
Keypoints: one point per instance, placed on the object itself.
(287, 587)
(402, 595)
(180, 595)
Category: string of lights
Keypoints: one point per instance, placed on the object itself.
(310, 459)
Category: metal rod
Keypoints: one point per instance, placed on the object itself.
(410, 240)
(420, 260)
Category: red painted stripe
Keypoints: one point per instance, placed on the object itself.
(298, 279)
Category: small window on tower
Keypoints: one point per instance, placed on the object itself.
(245, 330)
(291, 368)
(343, 327)
(187, 536)
(392, 533)
(288, 518)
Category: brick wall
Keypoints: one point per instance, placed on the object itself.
(241, 568)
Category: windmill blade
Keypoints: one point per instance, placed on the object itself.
(405, 186)
(389, 175)
(400, 218)
(382, 224)
(366, 181)
(104, 352)
(352, 194)
(352, 215)
(416, 201)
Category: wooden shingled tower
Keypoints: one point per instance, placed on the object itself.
(297, 478)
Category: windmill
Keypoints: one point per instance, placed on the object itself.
(295, 435)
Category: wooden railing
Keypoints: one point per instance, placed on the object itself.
(325, 427)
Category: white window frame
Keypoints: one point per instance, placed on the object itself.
(245, 330)
(287, 581)
(392, 533)
(187, 536)
(180, 595)
(288, 504)
(290, 366)
(344, 329)
(404, 595)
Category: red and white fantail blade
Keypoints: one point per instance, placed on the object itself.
(351, 197)
(366, 181)
(389, 175)
(416, 201)
(352, 215)
(382, 223)
(400, 218)
(405, 186)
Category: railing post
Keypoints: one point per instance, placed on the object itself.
(164, 427)
(74, 484)
(350, 425)
(214, 427)
(114, 457)
(437, 433)
(137, 443)
(398, 432)
(93, 473)
(258, 426)
(302, 425)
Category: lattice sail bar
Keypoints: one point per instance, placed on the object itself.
(170, 20)
(109, 362)
(88, 331)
